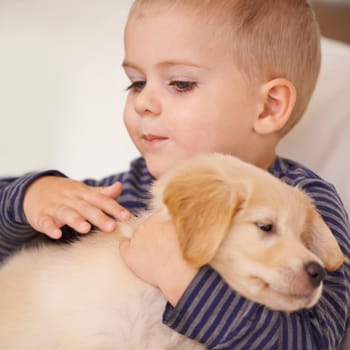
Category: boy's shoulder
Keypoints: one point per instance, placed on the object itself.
(324, 195)
(296, 174)
(321, 191)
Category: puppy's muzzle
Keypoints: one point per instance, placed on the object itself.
(315, 272)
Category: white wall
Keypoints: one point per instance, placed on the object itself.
(62, 88)
(62, 94)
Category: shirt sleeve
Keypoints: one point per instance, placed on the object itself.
(215, 315)
(14, 228)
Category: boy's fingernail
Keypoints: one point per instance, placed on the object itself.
(124, 215)
(56, 234)
(110, 225)
(84, 227)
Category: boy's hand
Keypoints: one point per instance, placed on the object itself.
(51, 202)
(154, 255)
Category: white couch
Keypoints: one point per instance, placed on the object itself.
(322, 138)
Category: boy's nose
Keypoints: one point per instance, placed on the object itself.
(147, 103)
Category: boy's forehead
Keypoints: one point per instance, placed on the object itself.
(173, 36)
(198, 23)
(201, 12)
(140, 7)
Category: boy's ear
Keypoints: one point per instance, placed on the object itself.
(278, 99)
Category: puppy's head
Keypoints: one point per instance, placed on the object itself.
(264, 237)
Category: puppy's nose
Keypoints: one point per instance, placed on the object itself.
(315, 272)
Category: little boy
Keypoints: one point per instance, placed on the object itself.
(229, 76)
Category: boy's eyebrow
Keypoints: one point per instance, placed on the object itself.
(129, 64)
(180, 63)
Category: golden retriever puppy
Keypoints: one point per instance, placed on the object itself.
(264, 237)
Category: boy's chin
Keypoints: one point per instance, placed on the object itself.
(160, 166)
(156, 170)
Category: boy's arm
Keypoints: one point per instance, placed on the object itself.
(210, 312)
(216, 316)
(17, 228)
(14, 228)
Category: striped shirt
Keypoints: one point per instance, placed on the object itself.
(210, 311)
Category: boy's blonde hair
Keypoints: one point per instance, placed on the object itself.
(269, 39)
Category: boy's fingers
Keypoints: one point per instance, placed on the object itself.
(71, 217)
(123, 214)
(112, 208)
(104, 199)
(112, 191)
(97, 217)
(80, 225)
(48, 226)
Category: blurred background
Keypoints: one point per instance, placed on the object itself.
(62, 88)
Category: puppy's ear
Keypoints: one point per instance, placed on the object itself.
(201, 204)
(320, 240)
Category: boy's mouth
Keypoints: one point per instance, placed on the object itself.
(153, 138)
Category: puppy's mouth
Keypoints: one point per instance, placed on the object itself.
(285, 292)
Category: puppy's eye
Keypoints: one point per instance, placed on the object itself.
(264, 227)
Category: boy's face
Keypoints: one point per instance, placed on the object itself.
(186, 95)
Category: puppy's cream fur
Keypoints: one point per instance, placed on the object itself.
(256, 231)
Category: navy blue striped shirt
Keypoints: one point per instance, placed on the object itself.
(210, 311)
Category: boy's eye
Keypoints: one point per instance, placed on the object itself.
(182, 86)
(136, 86)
